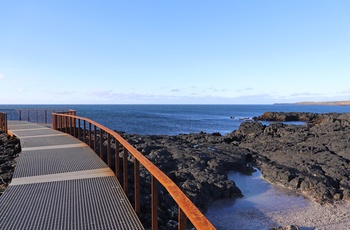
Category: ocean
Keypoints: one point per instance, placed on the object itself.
(176, 119)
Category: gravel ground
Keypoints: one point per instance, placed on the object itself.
(315, 216)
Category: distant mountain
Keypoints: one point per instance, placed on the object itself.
(343, 103)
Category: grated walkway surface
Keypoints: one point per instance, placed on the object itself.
(60, 183)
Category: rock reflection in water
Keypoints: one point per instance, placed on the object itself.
(253, 211)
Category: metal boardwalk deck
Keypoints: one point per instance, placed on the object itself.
(60, 183)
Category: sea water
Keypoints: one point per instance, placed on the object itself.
(176, 119)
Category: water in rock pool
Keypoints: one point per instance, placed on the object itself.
(255, 210)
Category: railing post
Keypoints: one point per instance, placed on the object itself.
(137, 186)
(3, 122)
(109, 149)
(6, 127)
(79, 128)
(89, 134)
(45, 116)
(182, 220)
(37, 116)
(71, 126)
(154, 191)
(20, 115)
(28, 115)
(101, 144)
(95, 139)
(125, 170)
(84, 132)
(54, 122)
(116, 160)
(75, 126)
(66, 125)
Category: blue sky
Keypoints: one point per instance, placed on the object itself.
(174, 52)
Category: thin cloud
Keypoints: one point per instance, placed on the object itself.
(175, 90)
(212, 89)
(97, 93)
(2, 76)
(305, 94)
(60, 93)
(346, 92)
(109, 96)
(244, 90)
(63, 93)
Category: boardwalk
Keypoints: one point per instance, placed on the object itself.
(60, 183)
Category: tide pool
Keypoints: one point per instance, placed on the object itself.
(255, 210)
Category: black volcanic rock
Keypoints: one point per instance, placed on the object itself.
(197, 163)
(292, 116)
(9, 150)
(312, 159)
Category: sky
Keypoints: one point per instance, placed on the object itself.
(174, 51)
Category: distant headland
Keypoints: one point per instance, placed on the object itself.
(337, 103)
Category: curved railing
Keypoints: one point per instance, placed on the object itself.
(79, 127)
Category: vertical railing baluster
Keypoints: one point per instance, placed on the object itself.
(45, 116)
(109, 149)
(56, 121)
(28, 115)
(75, 126)
(66, 124)
(182, 220)
(95, 139)
(53, 122)
(90, 134)
(84, 132)
(101, 143)
(6, 125)
(20, 115)
(71, 126)
(125, 170)
(37, 116)
(116, 160)
(154, 194)
(79, 128)
(137, 186)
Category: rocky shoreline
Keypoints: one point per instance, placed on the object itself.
(312, 159)
(9, 151)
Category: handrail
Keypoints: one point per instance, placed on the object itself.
(72, 125)
(3, 122)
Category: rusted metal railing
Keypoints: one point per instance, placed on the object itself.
(81, 128)
(3, 122)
